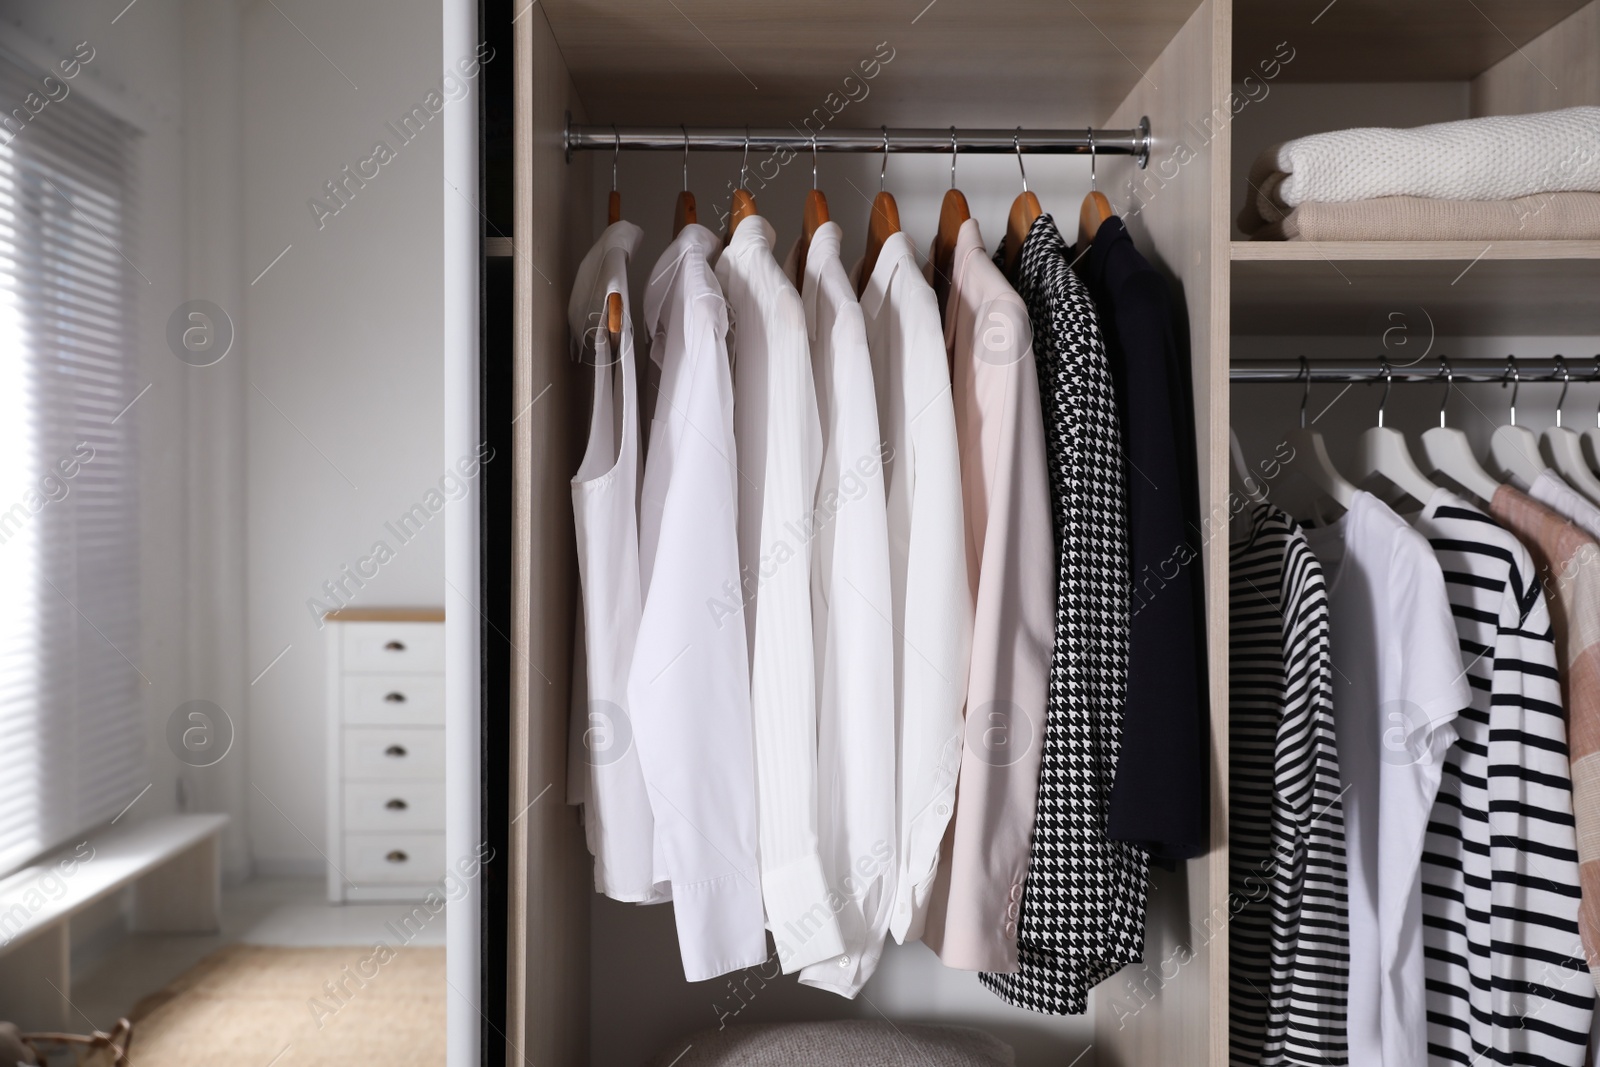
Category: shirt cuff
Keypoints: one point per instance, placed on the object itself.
(719, 925)
(844, 975)
(800, 914)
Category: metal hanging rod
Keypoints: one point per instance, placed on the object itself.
(1134, 142)
(1429, 369)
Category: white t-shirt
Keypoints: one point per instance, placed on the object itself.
(1398, 685)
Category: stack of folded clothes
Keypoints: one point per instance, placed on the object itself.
(1505, 178)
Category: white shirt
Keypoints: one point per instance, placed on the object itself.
(1398, 685)
(850, 611)
(927, 563)
(603, 761)
(779, 447)
(689, 687)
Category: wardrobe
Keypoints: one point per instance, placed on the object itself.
(591, 981)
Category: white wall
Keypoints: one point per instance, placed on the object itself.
(344, 410)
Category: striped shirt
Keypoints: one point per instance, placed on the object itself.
(1506, 976)
(1288, 952)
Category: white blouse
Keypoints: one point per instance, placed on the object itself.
(603, 770)
(688, 688)
(850, 611)
(779, 447)
(933, 608)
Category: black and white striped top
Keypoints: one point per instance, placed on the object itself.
(1506, 978)
(1288, 935)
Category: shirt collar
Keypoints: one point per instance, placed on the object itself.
(753, 233)
(895, 253)
(969, 242)
(825, 245)
(692, 239)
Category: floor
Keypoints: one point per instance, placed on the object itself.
(287, 913)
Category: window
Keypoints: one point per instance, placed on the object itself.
(71, 720)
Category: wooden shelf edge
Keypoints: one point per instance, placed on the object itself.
(385, 615)
(1300, 251)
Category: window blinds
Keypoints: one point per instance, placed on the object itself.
(71, 691)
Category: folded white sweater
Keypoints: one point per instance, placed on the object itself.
(1495, 158)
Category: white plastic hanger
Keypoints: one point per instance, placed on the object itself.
(1382, 450)
(1514, 450)
(1564, 447)
(1307, 443)
(1253, 489)
(1448, 452)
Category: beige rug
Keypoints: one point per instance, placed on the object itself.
(298, 1007)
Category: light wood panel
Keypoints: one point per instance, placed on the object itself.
(1506, 296)
(1173, 1009)
(548, 958)
(728, 62)
(1559, 68)
(385, 615)
(1389, 41)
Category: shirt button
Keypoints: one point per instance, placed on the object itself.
(944, 809)
(1011, 929)
(1016, 892)
(1012, 911)
(844, 961)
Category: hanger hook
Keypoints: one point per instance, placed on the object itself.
(883, 171)
(1305, 374)
(685, 130)
(744, 163)
(954, 149)
(1516, 384)
(1388, 380)
(616, 154)
(813, 159)
(1091, 159)
(1449, 387)
(1595, 377)
(1566, 382)
(1016, 143)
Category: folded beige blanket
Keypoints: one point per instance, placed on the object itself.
(1544, 217)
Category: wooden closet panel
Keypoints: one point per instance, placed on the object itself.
(1175, 1005)
(548, 983)
(1559, 68)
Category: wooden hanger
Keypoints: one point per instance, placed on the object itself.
(884, 223)
(1564, 447)
(744, 202)
(816, 213)
(1025, 210)
(1096, 208)
(1514, 450)
(952, 213)
(1448, 452)
(1382, 450)
(683, 215)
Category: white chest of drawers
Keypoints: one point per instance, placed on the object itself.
(385, 754)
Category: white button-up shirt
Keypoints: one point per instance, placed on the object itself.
(780, 447)
(927, 563)
(603, 771)
(851, 607)
(689, 688)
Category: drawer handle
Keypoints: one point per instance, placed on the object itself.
(395, 751)
(394, 698)
(395, 646)
(397, 856)
(396, 805)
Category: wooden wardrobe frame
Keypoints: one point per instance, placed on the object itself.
(1174, 1009)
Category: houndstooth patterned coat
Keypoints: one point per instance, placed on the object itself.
(1082, 909)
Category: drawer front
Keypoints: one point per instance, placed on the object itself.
(394, 699)
(392, 753)
(407, 859)
(394, 807)
(406, 647)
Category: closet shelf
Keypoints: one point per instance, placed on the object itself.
(1445, 289)
(1424, 251)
